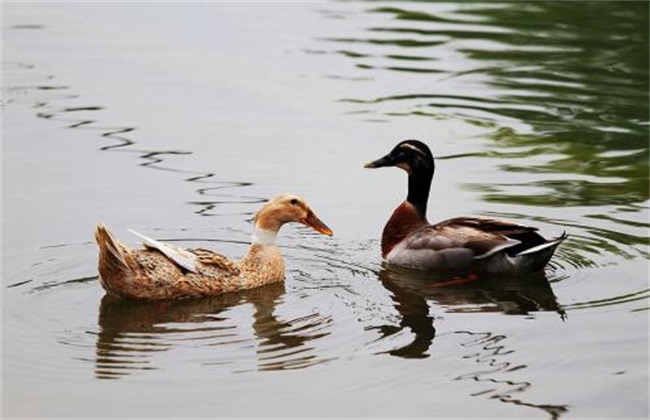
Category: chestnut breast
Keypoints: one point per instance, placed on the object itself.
(405, 219)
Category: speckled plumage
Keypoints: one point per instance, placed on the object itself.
(148, 273)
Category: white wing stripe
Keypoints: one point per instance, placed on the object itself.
(185, 259)
(539, 247)
(509, 243)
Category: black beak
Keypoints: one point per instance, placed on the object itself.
(381, 162)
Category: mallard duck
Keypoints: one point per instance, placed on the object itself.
(164, 271)
(459, 244)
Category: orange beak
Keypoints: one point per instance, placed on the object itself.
(315, 223)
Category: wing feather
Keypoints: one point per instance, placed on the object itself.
(484, 237)
(185, 259)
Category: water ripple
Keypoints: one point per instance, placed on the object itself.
(532, 86)
(25, 85)
(490, 352)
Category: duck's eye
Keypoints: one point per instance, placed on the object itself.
(294, 201)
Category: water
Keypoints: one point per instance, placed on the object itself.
(179, 120)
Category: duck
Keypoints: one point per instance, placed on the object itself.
(461, 244)
(160, 270)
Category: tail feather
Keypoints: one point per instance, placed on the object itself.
(115, 264)
(537, 257)
(110, 246)
(552, 244)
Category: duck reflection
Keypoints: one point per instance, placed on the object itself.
(131, 332)
(411, 291)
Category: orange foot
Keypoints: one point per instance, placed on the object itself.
(457, 280)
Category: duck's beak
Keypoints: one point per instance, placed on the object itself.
(381, 162)
(315, 223)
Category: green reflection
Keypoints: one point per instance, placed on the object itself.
(575, 73)
(561, 90)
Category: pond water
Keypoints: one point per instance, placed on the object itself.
(179, 120)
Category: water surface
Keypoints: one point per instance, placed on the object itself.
(180, 120)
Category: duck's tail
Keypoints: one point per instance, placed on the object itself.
(116, 263)
(536, 257)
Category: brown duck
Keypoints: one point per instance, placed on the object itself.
(164, 271)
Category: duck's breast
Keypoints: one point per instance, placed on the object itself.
(262, 265)
(404, 221)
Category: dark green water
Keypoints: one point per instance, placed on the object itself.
(179, 120)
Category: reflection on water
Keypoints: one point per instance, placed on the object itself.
(131, 333)
(491, 353)
(412, 290)
(547, 82)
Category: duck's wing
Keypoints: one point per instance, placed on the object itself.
(183, 258)
(486, 237)
(215, 260)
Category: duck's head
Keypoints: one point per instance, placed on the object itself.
(411, 155)
(416, 159)
(285, 208)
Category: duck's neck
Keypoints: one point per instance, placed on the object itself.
(419, 187)
(264, 236)
(411, 214)
(263, 263)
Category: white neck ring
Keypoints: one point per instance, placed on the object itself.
(264, 236)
